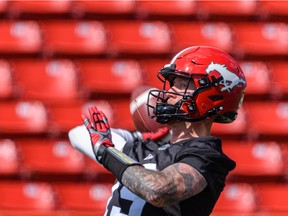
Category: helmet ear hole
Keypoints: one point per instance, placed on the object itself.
(191, 107)
(203, 81)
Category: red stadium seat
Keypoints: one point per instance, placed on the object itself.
(150, 68)
(238, 127)
(272, 197)
(9, 158)
(268, 118)
(40, 7)
(105, 7)
(45, 157)
(256, 158)
(74, 37)
(47, 80)
(27, 196)
(110, 76)
(83, 196)
(122, 116)
(166, 8)
(3, 6)
(7, 85)
(221, 8)
(80, 213)
(138, 37)
(261, 38)
(279, 77)
(32, 212)
(65, 116)
(258, 77)
(270, 7)
(237, 197)
(20, 37)
(23, 117)
(187, 34)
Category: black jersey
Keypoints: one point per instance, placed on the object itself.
(204, 154)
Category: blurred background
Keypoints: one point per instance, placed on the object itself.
(57, 57)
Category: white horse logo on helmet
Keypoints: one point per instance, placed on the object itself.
(229, 79)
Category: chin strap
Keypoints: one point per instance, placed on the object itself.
(164, 118)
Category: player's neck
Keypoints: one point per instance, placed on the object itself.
(185, 130)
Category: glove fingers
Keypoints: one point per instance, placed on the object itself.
(99, 119)
(102, 124)
(86, 121)
(96, 118)
(93, 114)
(105, 120)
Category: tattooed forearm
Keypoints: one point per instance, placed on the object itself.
(173, 184)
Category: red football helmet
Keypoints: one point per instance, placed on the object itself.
(220, 85)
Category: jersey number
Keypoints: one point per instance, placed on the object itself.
(136, 207)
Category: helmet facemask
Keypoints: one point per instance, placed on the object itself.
(185, 108)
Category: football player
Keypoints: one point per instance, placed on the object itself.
(184, 176)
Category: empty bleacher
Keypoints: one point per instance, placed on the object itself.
(59, 57)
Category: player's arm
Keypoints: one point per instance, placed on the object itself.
(80, 139)
(161, 188)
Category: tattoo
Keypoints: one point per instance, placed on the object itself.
(171, 185)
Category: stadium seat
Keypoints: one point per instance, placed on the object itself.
(50, 157)
(258, 78)
(270, 7)
(227, 8)
(23, 117)
(256, 159)
(122, 116)
(169, 8)
(83, 196)
(261, 38)
(238, 127)
(51, 7)
(150, 68)
(237, 197)
(27, 196)
(79, 213)
(105, 7)
(20, 37)
(272, 197)
(9, 158)
(268, 118)
(65, 116)
(7, 85)
(32, 212)
(279, 77)
(3, 6)
(110, 76)
(53, 80)
(74, 37)
(187, 34)
(138, 37)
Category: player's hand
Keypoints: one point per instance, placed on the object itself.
(99, 130)
(159, 134)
